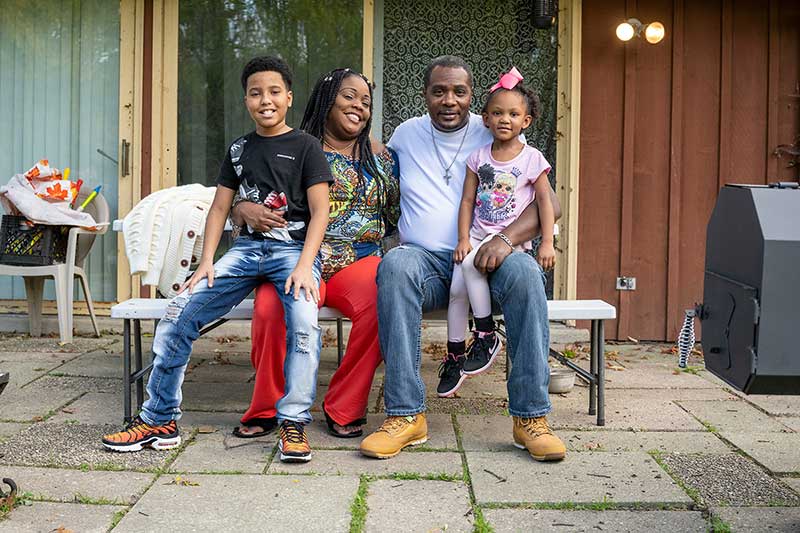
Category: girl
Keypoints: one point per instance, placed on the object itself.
(502, 179)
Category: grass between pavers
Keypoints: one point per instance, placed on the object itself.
(270, 458)
(22, 498)
(359, 508)
(718, 525)
(480, 525)
(607, 504)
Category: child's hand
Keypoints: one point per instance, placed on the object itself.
(302, 278)
(463, 249)
(546, 255)
(204, 270)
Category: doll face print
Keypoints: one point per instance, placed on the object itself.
(495, 199)
(503, 190)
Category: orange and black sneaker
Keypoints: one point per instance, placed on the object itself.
(293, 443)
(139, 434)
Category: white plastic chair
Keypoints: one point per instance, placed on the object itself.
(79, 244)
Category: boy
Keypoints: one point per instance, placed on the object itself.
(287, 169)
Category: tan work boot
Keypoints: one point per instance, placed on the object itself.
(535, 435)
(395, 433)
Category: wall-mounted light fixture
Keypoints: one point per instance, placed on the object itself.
(653, 32)
(544, 14)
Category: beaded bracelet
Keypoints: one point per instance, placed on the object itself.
(505, 239)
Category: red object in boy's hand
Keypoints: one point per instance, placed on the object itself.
(276, 201)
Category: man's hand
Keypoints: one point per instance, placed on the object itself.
(491, 255)
(257, 216)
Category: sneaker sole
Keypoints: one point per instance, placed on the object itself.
(156, 443)
(484, 368)
(378, 455)
(454, 389)
(546, 457)
(293, 458)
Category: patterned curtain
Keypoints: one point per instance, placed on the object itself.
(491, 35)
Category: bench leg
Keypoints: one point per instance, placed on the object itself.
(126, 370)
(601, 374)
(137, 352)
(339, 342)
(593, 367)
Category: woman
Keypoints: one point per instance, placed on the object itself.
(364, 203)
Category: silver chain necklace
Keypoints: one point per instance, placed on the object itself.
(447, 174)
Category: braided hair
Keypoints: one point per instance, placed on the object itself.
(530, 97)
(319, 105)
(316, 116)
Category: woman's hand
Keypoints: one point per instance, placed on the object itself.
(546, 255)
(204, 270)
(302, 278)
(258, 216)
(462, 250)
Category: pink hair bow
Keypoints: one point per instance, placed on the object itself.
(508, 81)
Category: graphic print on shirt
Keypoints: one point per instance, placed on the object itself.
(495, 201)
(236, 153)
(274, 200)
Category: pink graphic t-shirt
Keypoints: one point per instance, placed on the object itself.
(505, 188)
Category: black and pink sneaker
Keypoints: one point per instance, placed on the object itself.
(450, 375)
(482, 352)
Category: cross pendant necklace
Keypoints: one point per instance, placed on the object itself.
(447, 174)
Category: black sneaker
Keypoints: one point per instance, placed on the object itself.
(482, 352)
(450, 375)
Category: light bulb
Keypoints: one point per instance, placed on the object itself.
(625, 31)
(654, 32)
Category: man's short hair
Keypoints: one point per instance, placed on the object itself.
(267, 64)
(446, 62)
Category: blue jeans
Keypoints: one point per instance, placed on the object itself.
(412, 280)
(246, 264)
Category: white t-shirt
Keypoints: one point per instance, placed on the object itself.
(428, 204)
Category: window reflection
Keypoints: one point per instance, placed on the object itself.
(217, 38)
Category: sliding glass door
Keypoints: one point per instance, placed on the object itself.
(217, 38)
(59, 97)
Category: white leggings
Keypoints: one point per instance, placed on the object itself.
(468, 286)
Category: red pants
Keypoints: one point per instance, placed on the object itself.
(352, 291)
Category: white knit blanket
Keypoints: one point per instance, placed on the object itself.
(164, 233)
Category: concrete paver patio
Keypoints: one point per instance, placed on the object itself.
(680, 451)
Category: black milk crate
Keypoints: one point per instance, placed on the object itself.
(36, 245)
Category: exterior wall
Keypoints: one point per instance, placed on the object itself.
(663, 127)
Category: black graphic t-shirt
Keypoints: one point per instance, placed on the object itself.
(276, 171)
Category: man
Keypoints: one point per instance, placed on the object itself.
(415, 277)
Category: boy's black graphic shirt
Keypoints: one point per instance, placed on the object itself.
(276, 171)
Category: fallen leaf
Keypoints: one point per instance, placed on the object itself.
(68, 410)
(182, 481)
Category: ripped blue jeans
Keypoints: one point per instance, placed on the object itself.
(247, 264)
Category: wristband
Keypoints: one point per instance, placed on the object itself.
(505, 239)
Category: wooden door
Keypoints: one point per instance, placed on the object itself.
(663, 127)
